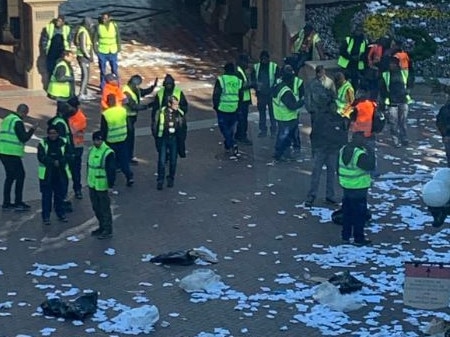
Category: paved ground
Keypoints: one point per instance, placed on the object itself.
(247, 211)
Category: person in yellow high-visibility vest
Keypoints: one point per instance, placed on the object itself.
(56, 37)
(306, 45)
(62, 82)
(114, 128)
(353, 56)
(13, 137)
(227, 96)
(53, 174)
(85, 55)
(395, 88)
(107, 46)
(241, 135)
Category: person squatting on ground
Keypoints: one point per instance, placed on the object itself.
(356, 161)
(227, 97)
(443, 125)
(53, 156)
(85, 56)
(353, 56)
(263, 77)
(101, 175)
(395, 87)
(107, 46)
(169, 124)
(114, 128)
(285, 109)
(62, 82)
(328, 135)
(13, 137)
(55, 39)
(134, 94)
(77, 123)
(241, 135)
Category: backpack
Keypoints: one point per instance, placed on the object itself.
(379, 121)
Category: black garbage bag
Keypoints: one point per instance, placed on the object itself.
(337, 216)
(346, 283)
(179, 257)
(83, 307)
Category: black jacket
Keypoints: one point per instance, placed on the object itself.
(54, 159)
(329, 131)
(21, 133)
(443, 120)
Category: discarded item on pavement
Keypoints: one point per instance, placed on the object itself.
(329, 295)
(438, 326)
(200, 280)
(186, 257)
(133, 321)
(346, 283)
(83, 307)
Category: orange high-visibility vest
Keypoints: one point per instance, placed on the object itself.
(404, 60)
(78, 124)
(116, 91)
(364, 118)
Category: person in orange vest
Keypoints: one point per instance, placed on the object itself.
(112, 87)
(372, 73)
(77, 123)
(364, 108)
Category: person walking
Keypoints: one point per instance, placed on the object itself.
(53, 174)
(227, 96)
(85, 56)
(13, 137)
(134, 93)
(443, 125)
(169, 122)
(395, 87)
(353, 56)
(113, 126)
(77, 123)
(55, 39)
(101, 175)
(107, 46)
(263, 77)
(285, 109)
(241, 135)
(62, 81)
(356, 161)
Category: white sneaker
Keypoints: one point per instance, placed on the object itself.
(87, 97)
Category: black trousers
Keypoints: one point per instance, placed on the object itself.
(14, 172)
(131, 120)
(101, 204)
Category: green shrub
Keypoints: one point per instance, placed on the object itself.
(424, 47)
(342, 22)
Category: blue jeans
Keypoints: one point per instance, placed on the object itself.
(329, 158)
(122, 157)
(53, 191)
(398, 118)
(102, 60)
(286, 131)
(167, 146)
(227, 124)
(354, 208)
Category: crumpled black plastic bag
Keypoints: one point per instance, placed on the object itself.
(346, 283)
(83, 307)
(179, 257)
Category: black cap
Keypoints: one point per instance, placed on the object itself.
(97, 135)
(263, 54)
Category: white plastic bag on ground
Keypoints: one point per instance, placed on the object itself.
(133, 321)
(328, 294)
(200, 280)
